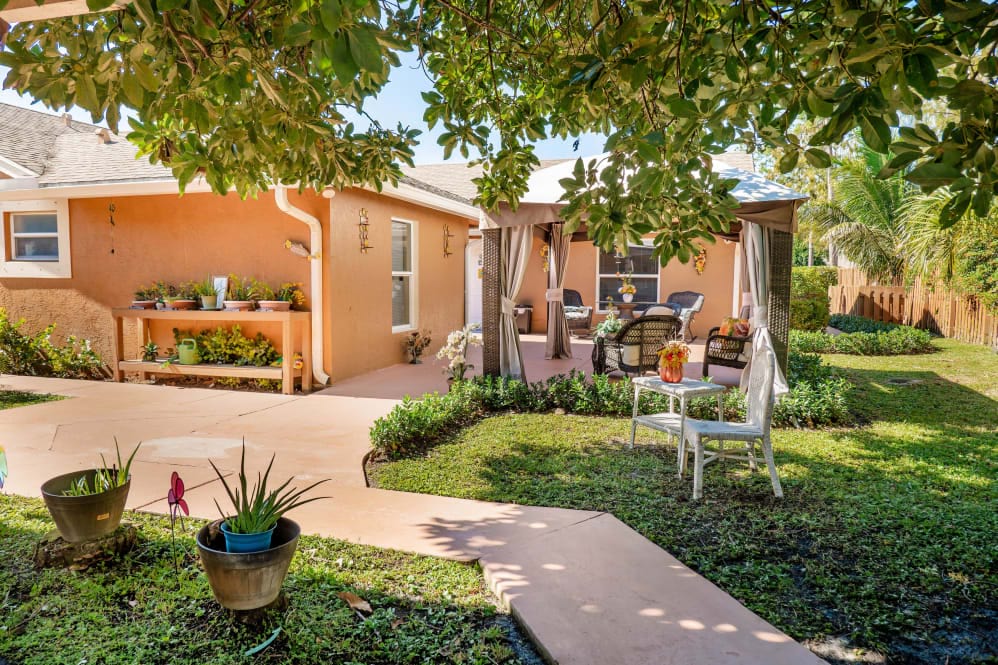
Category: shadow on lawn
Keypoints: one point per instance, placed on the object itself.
(138, 610)
(885, 536)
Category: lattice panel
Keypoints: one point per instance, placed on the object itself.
(491, 308)
(781, 260)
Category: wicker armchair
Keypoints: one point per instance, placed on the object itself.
(726, 350)
(687, 303)
(633, 350)
(579, 316)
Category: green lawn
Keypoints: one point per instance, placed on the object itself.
(426, 610)
(887, 538)
(10, 399)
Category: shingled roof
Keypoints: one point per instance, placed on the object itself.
(64, 152)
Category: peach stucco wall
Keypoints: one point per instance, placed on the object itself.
(715, 283)
(178, 239)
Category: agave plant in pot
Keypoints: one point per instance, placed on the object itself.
(86, 505)
(240, 294)
(246, 554)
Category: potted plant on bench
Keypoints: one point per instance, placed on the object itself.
(240, 294)
(246, 555)
(145, 298)
(87, 505)
(205, 291)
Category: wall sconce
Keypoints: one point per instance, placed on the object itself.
(447, 236)
(362, 227)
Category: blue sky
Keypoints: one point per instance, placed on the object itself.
(400, 101)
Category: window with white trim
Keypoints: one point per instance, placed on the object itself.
(644, 270)
(403, 275)
(35, 239)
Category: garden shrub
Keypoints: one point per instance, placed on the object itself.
(37, 355)
(229, 346)
(809, 304)
(817, 397)
(898, 341)
(850, 324)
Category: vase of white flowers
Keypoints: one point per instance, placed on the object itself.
(455, 351)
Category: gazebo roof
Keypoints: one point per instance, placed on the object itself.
(762, 201)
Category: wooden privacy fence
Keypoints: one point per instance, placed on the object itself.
(939, 310)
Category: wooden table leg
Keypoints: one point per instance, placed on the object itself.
(306, 355)
(117, 340)
(288, 358)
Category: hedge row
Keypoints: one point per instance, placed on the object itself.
(817, 397)
(850, 324)
(898, 341)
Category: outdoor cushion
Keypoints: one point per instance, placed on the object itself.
(630, 354)
(735, 327)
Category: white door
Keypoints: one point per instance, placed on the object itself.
(473, 282)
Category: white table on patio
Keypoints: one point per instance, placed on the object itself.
(671, 422)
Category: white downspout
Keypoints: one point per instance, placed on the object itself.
(315, 279)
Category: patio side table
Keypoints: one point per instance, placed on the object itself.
(670, 422)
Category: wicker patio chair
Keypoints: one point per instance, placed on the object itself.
(633, 349)
(727, 350)
(578, 315)
(688, 303)
(755, 429)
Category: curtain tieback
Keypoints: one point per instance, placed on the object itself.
(555, 295)
(760, 317)
(508, 306)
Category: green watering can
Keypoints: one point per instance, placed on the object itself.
(188, 352)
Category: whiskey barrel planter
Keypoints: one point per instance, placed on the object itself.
(83, 518)
(251, 580)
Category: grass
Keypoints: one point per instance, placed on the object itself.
(886, 540)
(138, 610)
(10, 399)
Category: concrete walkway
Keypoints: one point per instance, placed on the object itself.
(586, 587)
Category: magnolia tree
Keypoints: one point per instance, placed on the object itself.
(246, 93)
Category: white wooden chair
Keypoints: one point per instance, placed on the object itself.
(755, 428)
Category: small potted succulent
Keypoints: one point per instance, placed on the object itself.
(145, 298)
(240, 294)
(177, 297)
(206, 293)
(246, 554)
(87, 505)
(288, 296)
(150, 351)
(266, 299)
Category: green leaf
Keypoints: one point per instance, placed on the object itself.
(933, 175)
(343, 63)
(365, 49)
(147, 79)
(99, 5)
(789, 161)
(875, 133)
(331, 13)
(130, 85)
(819, 159)
(86, 94)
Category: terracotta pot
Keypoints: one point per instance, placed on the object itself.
(83, 518)
(143, 304)
(239, 305)
(251, 580)
(273, 305)
(181, 304)
(672, 373)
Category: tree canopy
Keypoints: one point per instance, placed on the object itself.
(250, 92)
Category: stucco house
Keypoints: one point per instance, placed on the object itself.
(85, 223)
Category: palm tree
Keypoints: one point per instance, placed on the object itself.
(866, 221)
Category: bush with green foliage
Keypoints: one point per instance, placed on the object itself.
(809, 305)
(898, 341)
(38, 355)
(850, 324)
(977, 270)
(230, 347)
(817, 397)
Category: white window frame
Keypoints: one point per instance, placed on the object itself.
(411, 274)
(26, 268)
(658, 279)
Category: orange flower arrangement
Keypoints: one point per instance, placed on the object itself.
(674, 352)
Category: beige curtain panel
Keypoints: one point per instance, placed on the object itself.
(559, 343)
(514, 251)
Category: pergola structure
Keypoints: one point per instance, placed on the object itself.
(767, 220)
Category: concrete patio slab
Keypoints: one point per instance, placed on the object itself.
(587, 588)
